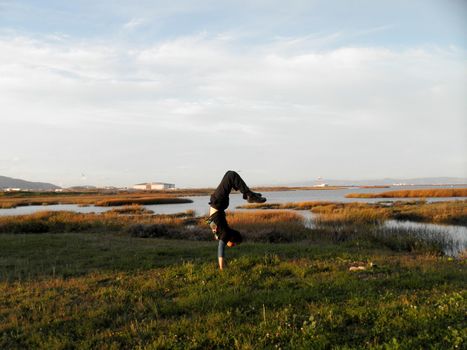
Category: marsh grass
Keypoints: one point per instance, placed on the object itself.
(266, 226)
(355, 213)
(446, 212)
(86, 198)
(280, 226)
(414, 240)
(135, 209)
(437, 192)
(66, 221)
(449, 212)
(263, 217)
(8, 205)
(291, 205)
(362, 222)
(333, 223)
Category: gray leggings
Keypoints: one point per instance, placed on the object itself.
(221, 249)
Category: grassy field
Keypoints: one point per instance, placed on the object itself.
(90, 281)
(113, 291)
(433, 192)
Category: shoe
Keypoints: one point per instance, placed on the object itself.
(254, 197)
(245, 195)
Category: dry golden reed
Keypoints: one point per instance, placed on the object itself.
(437, 192)
(263, 217)
(98, 199)
(447, 212)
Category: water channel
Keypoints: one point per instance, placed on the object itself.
(200, 205)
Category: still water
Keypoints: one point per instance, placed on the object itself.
(455, 237)
(200, 203)
(458, 234)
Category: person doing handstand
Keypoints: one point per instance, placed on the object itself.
(219, 202)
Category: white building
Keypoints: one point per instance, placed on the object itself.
(154, 186)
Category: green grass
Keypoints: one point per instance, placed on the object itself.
(112, 291)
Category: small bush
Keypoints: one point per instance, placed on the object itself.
(135, 209)
(145, 231)
(169, 232)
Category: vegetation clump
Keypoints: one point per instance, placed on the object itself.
(436, 192)
(291, 205)
(134, 209)
(448, 212)
(67, 221)
(12, 200)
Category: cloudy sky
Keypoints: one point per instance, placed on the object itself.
(120, 92)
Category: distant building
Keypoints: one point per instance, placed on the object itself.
(14, 189)
(154, 186)
(321, 185)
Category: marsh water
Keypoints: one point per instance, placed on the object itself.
(200, 203)
(454, 237)
(201, 207)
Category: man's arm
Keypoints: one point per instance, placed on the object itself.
(220, 254)
(221, 263)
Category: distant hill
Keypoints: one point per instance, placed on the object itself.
(9, 182)
(387, 181)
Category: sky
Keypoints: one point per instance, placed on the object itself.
(113, 93)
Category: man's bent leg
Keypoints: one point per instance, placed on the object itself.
(231, 180)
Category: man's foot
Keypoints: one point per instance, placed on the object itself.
(254, 197)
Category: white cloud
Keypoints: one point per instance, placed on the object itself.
(134, 23)
(285, 95)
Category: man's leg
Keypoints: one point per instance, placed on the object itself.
(231, 180)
